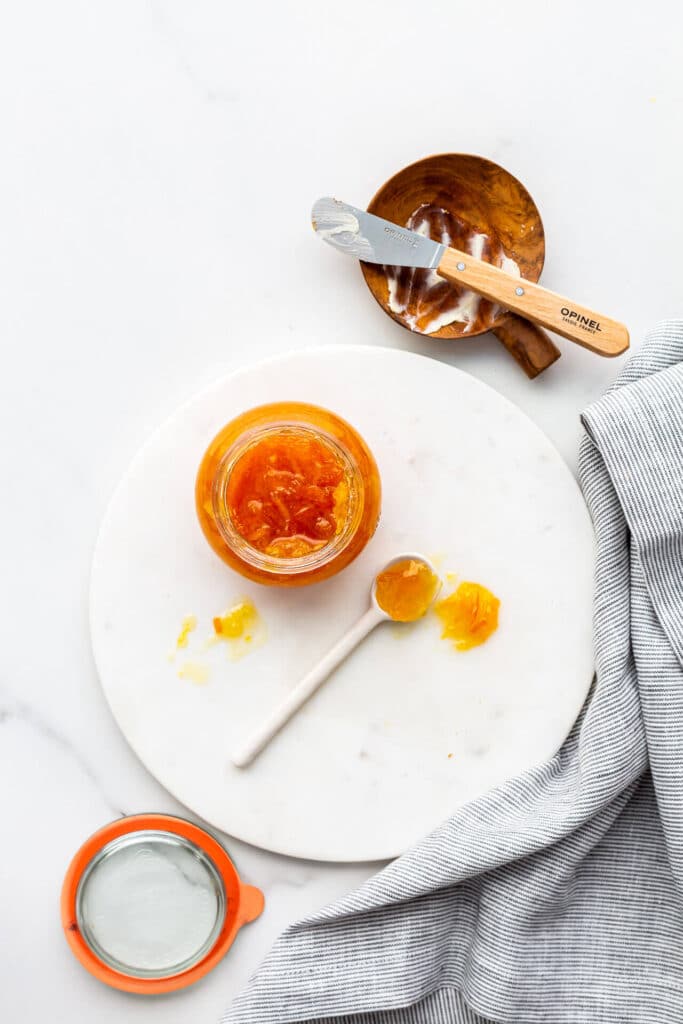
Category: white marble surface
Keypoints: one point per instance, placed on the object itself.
(406, 730)
(146, 149)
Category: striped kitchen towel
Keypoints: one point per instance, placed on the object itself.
(558, 897)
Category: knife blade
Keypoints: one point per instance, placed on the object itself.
(371, 238)
(375, 240)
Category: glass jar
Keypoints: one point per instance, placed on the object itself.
(288, 493)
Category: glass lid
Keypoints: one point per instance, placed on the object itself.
(151, 904)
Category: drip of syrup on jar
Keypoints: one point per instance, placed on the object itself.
(426, 302)
(469, 616)
(406, 589)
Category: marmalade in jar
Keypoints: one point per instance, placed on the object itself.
(288, 493)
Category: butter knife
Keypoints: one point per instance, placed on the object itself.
(376, 240)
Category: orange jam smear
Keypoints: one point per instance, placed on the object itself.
(240, 628)
(194, 671)
(288, 494)
(469, 615)
(189, 624)
(406, 589)
(236, 622)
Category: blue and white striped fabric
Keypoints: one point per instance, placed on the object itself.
(558, 897)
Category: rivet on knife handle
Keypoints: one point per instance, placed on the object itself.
(592, 330)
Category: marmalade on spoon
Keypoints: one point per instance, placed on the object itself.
(406, 589)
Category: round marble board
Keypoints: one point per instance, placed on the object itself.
(408, 728)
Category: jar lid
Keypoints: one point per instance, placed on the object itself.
(151, 903)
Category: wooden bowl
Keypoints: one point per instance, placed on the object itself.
(488, 207)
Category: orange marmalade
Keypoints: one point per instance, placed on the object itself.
(469, 615)
(405, 590)
(288, 493)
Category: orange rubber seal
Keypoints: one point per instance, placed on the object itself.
(244, 903)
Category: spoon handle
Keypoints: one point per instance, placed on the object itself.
(304, 689)
(571, 320)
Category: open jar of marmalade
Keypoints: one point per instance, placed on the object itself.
(288, 494)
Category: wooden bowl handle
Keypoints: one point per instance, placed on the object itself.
(528, 344)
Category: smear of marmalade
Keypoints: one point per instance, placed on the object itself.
(194, 671)
(469, 615)
(189, 624)
(240, 627)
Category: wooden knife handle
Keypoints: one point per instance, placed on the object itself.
(570, 319)
(528, 344)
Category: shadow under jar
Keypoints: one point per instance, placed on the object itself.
(288, 493)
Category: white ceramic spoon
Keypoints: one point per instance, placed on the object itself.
(314, 679)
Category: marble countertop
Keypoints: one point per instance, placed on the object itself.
(151, 151)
